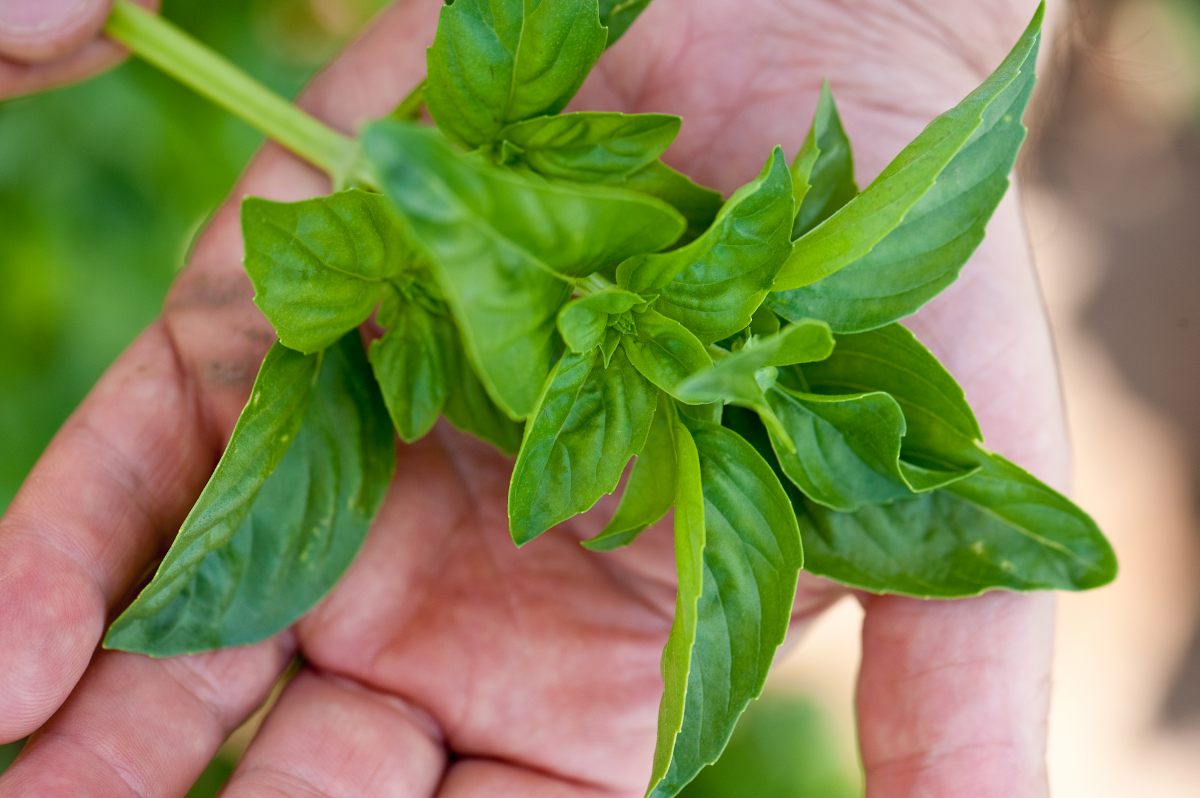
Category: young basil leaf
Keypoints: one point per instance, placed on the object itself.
(410, 364)
(282, 516)
(608, 347)
(713, 285)
(468, 405)
(647, 496)
(698, 204)
(589, 422)
(319, 267)
(751, 559)
(823, 171)
(664, 351)
(591, 146)
(938, 446)
(743, 377)
(618, 15)
(842, 451)
(905, 238)
(690, 534)
(498, 243)
(583, 322)
(495, 62)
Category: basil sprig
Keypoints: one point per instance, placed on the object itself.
(547, 283)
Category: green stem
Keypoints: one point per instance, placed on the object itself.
(593, 284)
(411, 106)
(187, 60)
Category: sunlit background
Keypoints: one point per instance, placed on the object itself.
(102, 187)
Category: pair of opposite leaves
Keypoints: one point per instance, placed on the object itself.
(909, 233)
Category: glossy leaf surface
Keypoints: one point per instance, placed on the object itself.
(590, 145)
(905, 238)
(282, 516)
(589, 422)
(823, 171)
(320, 266)
(998, 528)
(940, 428)
(649, 493)
(842, 451)
(495, 62)
(714, 284)
(664, 351)
(751, 560)
(743, 377)
(501, 245)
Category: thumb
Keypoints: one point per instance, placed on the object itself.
(43, 30)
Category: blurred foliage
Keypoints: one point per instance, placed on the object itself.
(8, 753)
(102, 186)
(783, 747)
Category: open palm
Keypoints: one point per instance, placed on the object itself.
(446, 662)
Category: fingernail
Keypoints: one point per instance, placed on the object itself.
(30, 17)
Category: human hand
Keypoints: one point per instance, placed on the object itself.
(46, 43)
(538, 669)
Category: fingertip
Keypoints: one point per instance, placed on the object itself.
(34, 31)
(952, 695)
(51, 616)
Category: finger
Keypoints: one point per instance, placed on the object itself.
(952, 696)
(40, 48)
(481, 778)
(140, 727)
(115, 482)
(331, 737)
(42, 30)
(120, 476)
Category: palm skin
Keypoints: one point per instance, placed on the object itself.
(447, 662)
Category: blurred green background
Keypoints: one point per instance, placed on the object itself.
(103, 185)
(102, 188)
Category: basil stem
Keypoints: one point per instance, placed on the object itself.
(152, 38)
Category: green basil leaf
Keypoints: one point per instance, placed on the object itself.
(823, 171)
(938, 446)
(319, 267)
(282, 516)
(468, 405)
(583, 322)
(646, 498)
(739, 378)
(998, 528)
(589, 422)
(714, 284)
(905, 238)
(589, 146)
(495, 62)
(499, 243)
(751, 560)
(410, 364)
(842, 451)
(664, 351)
(698, 204)
(618, 15)
(677, 655)
(608, 347)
